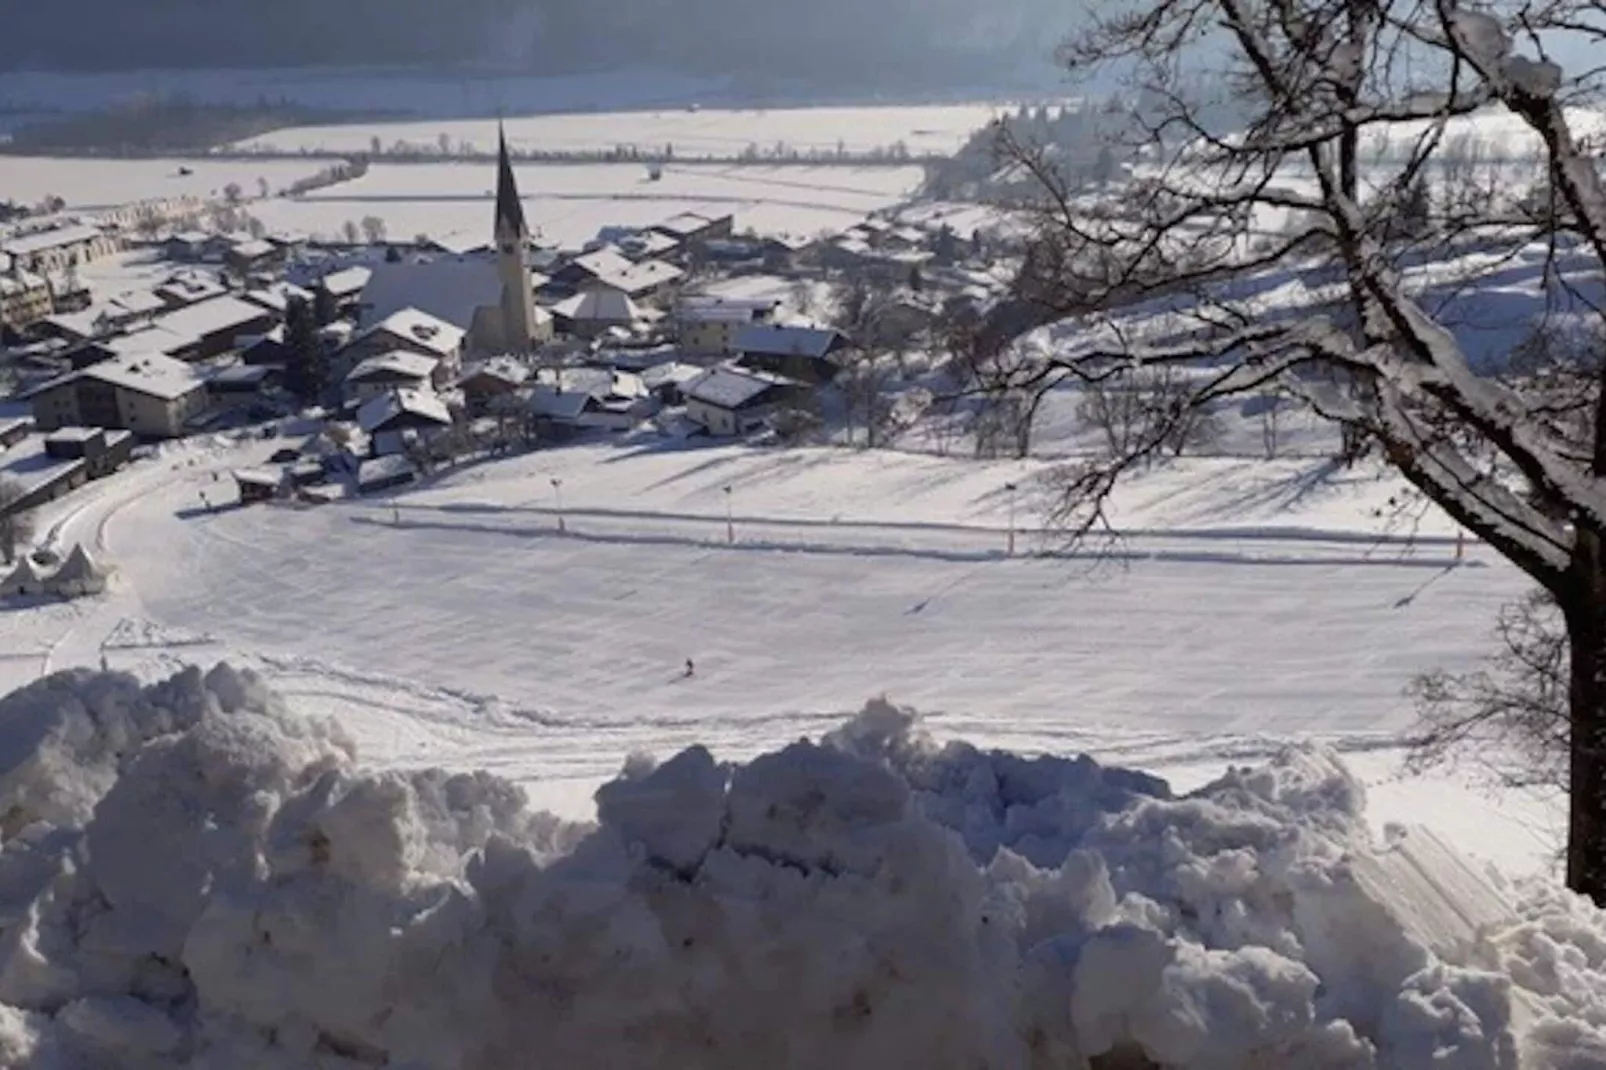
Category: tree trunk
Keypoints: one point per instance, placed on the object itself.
(1584, 606)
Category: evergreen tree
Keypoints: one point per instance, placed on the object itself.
(306, 371)
(325, 309)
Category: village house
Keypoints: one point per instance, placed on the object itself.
(150, 394)
(384, 473)
(24, 299)
(189, 287)
(257, 484)
(408, 329)
(483, 383)
(59, 248)
(691, 229)
(402, 420)
(590, 313)
(185, 247)
(608, 268)
(13, 429)
(802, 354)
(240, 383)
(103, 451)
(210, 328)
(133, 306)
(267, 349)
(345, 287)
(252, 256)
(729, 401)
(399, 369)
(277, 297)
(707, 326)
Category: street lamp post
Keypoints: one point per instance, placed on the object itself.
(730, 517)
(1011, 546)
(557, 493)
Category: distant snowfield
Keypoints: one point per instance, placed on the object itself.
(717, 132)
(570, 203)
(455, 625)
(90, 184)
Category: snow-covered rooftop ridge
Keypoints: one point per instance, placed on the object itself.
(421, 328)
(395, 362)
(260, 900)
(379, 410)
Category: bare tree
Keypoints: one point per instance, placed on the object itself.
(16, 520)
(232, 193)
(1516, 706)
(1156, 272)
(373, 229)
(350, 231)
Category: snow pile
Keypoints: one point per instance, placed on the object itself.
(193, 876)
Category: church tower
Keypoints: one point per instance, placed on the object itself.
(512, 244)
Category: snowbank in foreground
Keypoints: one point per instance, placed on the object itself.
(193, 876)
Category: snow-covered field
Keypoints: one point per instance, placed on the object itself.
(720, 133)
(455, 625)
(569, 203)
(89, 184)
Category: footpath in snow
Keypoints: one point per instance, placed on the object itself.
(194, 875)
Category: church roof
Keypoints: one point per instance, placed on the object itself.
(508, 208)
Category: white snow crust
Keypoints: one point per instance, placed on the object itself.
(192, 875)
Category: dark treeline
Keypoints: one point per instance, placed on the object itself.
(163, 125)
(931, 42)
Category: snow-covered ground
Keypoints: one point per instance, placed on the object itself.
(1256, 603)
(716, 132)
(196, 874)
(89, 184)
(570, 203)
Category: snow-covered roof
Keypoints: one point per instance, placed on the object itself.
(139, 302)
(241, 374)
(727, 388)
(420, 328)
(188, 287)
(260, 477)
(80, 566)
(685, 224)
(568, 405)
(670, 372)
(254, 248)
(84, 324)
(384, 469)
(775, 340)
(397, 362)
(648, 243)
(599, 306)
(378, 411)
(507, 369)
(74, 434)
(347, 282)
(277, 297)
(55, 238)
(152, 374)
(449, 289)
(203, 319)
(608, 267)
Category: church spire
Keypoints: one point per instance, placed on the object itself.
(509, 211)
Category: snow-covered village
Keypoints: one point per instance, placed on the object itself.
(698, 540)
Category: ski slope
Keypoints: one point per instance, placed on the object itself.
(455, 624)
